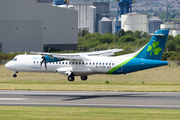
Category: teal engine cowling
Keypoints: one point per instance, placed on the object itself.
(52, 59)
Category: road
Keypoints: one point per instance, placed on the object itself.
(156, 100)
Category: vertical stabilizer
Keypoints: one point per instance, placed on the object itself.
(154, 49)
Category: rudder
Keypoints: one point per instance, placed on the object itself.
(154, 49)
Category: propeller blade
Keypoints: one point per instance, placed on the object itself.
(43, 60)
(45, 65)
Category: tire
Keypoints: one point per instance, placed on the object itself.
(84, 78)
(14, 75)
(71, 78)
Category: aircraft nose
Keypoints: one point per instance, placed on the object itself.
(7, 65)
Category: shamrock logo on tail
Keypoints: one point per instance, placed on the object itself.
(154, 49)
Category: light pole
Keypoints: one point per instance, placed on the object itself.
(0, 47)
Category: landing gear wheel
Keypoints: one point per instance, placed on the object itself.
(84, 78)
(14, 75)
(70, 78)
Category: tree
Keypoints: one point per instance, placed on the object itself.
(137, 34)
(145, 35)
(129, 32)
(121, 33)
(106, 38)
(84, 32)
(170, 37)
(171, 45)
(125, 39)
(177, 40)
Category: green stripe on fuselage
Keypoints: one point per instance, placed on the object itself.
(122, 64)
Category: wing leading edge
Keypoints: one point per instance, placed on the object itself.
(79, 56)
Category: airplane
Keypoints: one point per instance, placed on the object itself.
(98, 62)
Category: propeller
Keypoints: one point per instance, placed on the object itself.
(43, 60)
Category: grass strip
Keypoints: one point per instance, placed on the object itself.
(74, 113)
(86, 87)
(162, 79)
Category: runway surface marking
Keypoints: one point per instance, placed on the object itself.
(156, 100)
(13, 98)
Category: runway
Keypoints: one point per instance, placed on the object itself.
(156, 100)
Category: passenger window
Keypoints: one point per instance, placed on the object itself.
(109, 63)
(90, 63)
(56, 62)
(69, 62)
(76, 63)
(103, 64)
(73, 63)
(96, 63)
(99, 63)
(66, 62)
(62, 62)
(79, 63)
(106, 63)
(93, 63)
(34, 62)
(113, 64)
(59, 62)
(83, 63)
(86, 63)
(37, 62)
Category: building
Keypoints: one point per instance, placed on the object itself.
(154, 24)
(174, 28)
(29, 26)
(84, 15)
(134, 21)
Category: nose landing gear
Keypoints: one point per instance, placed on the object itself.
(14, 75)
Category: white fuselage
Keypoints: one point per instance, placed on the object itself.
(88, 66)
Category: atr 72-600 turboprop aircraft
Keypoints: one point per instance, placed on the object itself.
(99, 62)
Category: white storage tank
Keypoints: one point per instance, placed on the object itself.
(105, 25)
(63, 6)
(134, 21)
(177, 26)
(72, 7)
(114, 22)
(168, 26)
(175, 32)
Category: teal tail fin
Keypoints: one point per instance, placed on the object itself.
(154, 49)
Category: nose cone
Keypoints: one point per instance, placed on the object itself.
(7, 65)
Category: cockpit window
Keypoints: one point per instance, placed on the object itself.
(15, 59)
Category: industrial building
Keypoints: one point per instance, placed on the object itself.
(85, 14)
(154, 24)
(174, 28)
(29, 26)
(134, 21)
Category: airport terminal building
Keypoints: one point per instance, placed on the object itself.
(28, 26)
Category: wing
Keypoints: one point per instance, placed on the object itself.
(79, 56)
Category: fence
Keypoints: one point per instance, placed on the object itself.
(3, 62)
(174, 63)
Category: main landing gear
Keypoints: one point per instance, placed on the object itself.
(71, 78)
(84, 78)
